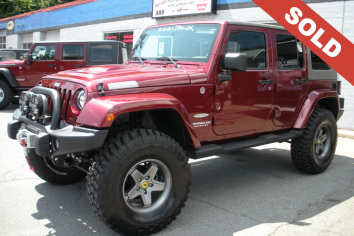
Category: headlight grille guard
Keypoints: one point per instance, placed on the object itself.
(54, 94)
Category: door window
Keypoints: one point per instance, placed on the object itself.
(43, 53)
(73, 52)
(249, 42)
(290, 53)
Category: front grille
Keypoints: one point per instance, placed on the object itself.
(67, 91)
(65, 96)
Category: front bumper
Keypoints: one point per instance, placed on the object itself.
(52, 140)
(47, 142)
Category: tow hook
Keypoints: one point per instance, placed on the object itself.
(23, 144)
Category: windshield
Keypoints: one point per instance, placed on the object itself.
(192, 43)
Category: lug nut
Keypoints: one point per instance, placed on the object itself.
(151, 185)
(139, 180)
(145, 192)
(147, 177)
(138, 188)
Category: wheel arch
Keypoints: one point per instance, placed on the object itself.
(321, 98)
(7, 75)
(153, 111)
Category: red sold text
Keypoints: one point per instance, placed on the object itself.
(332, 48)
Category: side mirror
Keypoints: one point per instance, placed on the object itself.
(232, 62)
(29, 59)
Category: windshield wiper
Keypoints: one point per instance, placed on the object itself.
(138, 58)
(168, 59)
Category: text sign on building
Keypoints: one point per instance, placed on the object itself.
(170, 8)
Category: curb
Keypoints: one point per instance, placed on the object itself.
(345, 136)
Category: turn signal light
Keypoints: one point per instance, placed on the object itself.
(110, 117)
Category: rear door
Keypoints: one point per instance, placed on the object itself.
(72, 56)
(44, 62)
(245, 102)
(290, 77)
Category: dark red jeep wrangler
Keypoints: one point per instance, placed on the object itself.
(190, 90)
(46, 58)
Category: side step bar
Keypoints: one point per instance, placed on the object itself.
(214, 149)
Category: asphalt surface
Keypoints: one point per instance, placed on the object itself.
(251, 192)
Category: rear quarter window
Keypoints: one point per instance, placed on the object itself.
(101, 52)
(317, 63)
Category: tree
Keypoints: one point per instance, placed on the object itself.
(10, 8)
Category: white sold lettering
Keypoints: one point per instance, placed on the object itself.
(316, 37)
(294, 18)
(302, 27)
(329, 45)
(295, 12)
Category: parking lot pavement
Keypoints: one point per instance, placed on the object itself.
(251, 192)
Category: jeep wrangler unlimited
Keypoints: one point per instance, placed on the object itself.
(46, 58)
(189, 90)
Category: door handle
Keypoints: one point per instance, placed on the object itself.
(52, 65)
(301, 81)
(265, 81)
(78, 65)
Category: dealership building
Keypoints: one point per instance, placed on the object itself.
(125, 21)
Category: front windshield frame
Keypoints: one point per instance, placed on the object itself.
(208, 32)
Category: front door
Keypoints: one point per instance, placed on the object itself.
(290, 78)
(245, 102)
(44, 62)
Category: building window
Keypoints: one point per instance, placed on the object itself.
(27, 45)
(3, 42)
(125, 37)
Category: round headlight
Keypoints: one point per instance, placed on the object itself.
(81, 99)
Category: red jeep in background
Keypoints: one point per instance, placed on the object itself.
(46, 58)
(190, 90)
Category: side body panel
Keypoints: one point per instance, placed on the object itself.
(289, 94)
(243, 104)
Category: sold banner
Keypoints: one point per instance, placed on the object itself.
(313, 31)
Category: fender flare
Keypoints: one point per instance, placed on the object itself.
(9, 77)
(310, 103)
(95, 111)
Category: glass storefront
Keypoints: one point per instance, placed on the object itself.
(125, 37)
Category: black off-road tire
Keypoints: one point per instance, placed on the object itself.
(303, 149)
(7, 94)
(46, 170)
(106, 179)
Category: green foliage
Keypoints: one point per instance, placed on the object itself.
(14, 7)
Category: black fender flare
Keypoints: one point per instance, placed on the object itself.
(9, 77)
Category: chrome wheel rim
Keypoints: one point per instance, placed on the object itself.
(322, 143)
(2, 95)
(147, 186)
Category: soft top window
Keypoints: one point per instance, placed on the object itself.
(101, 52)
